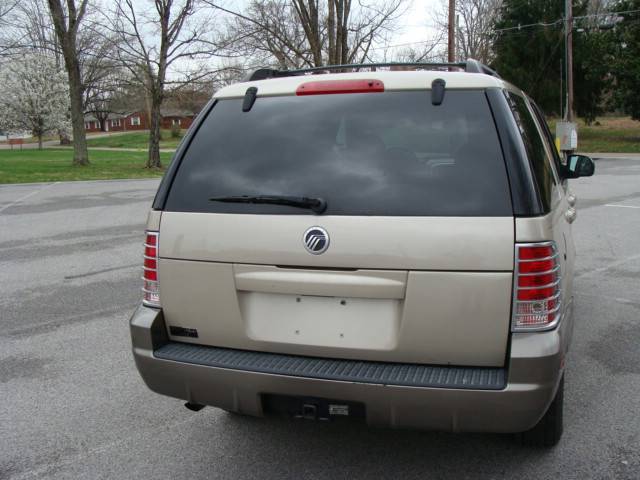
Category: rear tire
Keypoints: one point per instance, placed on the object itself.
(548, 430)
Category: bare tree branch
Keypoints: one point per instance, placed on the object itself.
(152, 41)
(311, 32)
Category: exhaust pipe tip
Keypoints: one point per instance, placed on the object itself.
(194, 407)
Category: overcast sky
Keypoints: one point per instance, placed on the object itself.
(416, 25)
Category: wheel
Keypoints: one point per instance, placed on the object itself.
(548, 430)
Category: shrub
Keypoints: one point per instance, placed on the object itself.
(175, 131)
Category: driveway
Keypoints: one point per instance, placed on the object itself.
(73, 406)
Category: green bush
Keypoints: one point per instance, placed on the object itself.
(175, 131)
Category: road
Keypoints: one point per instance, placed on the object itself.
(73, 406)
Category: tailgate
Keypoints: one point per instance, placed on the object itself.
(431, 290)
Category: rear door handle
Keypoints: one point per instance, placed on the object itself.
(570, 215)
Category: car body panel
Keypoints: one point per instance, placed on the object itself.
(359, 299)
(459, 318)
(536, 364)
(397, 243)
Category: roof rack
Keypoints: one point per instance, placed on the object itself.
(469, 66)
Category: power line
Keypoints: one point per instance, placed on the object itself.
(561, 20)
(417, 42)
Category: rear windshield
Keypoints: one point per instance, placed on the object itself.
(387, 154)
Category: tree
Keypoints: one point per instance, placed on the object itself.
(626, 63)
(313, 33)
(530, 57)
(8, 41)
(30, 27)
(103, 92)
(268, 32)
(66, 22)
(151, 40)
(529, 49)
(593, 61)
(34, 96)
(475, 22)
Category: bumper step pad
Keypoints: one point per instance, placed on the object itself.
(402, 374)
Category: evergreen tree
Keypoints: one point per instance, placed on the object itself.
(529, 45)
(529, 56)
(626, 65)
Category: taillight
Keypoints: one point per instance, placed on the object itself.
(150, 289)
(537, 299)
(325, 87)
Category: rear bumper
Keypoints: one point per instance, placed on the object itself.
(534, 369)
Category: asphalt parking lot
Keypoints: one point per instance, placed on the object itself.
(73, 406)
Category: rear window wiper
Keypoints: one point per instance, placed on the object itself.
(317, 205)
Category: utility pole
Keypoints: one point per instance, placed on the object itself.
(566, 131)
(569, 55)
(452, 30)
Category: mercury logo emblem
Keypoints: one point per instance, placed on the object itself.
(316, 240)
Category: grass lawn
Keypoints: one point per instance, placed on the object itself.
(26, 166)
(614, 134)
(133, 140)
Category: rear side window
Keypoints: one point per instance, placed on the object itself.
(390, 153)
(535, 149)
(557, 160)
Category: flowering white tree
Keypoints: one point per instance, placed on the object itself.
(34, 96)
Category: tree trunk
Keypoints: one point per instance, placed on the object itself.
(67, 36)
(40, 142)
(154, 133)
(331, 33)
(344, 31)
(80, 153)
(309, 18)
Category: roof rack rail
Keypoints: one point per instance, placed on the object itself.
(474, 66)
(470, 66)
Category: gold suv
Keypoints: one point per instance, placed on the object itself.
(390, 246)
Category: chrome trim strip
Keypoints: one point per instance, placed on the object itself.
(541, 286)
(555, 297)
(537, 244)
(541, 259)
(553, 270)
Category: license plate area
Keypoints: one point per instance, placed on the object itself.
(361, 323)
(312, 408)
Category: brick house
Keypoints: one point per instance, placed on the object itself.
(117, 122)
(139, 121)
(173, 116)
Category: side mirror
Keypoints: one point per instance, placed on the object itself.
(579, 166)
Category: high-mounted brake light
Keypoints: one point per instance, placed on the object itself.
(151, 292)
(327, 87)
(537, 299)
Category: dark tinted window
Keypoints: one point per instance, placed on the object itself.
(366, 154)
(535, 149)
(542, 121)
